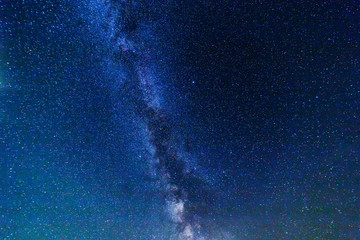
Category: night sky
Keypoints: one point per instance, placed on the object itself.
(165, 119)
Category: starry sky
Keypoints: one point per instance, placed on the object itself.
(165, 119)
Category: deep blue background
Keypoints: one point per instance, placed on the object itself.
(265, 95)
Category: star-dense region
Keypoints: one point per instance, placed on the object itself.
(201, 119)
